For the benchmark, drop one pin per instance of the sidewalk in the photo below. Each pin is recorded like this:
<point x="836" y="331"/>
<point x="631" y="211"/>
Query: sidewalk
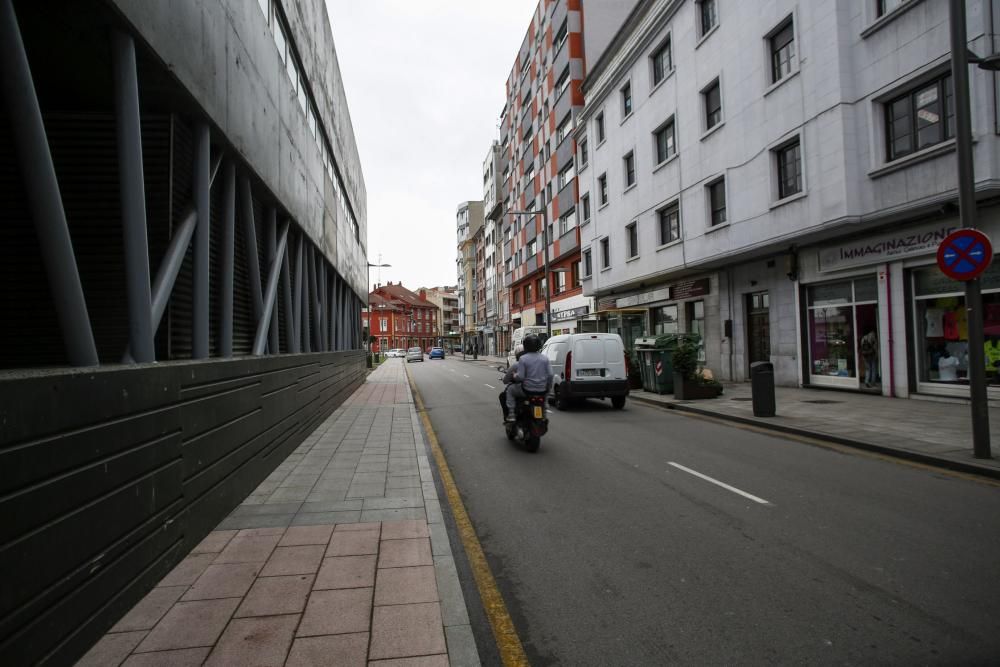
<point x="340" y="557"/>
<point x="930" y="431"/>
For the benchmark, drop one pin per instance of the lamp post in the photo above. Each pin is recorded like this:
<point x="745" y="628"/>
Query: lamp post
<point x="960" y="60"/>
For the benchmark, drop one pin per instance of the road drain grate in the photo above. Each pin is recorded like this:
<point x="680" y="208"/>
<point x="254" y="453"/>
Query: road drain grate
<point x="822" y="401"/>
<point x="741" y="398"/>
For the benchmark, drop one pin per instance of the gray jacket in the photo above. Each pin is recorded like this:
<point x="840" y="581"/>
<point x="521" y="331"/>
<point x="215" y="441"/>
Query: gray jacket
<point x="533" y="371"/>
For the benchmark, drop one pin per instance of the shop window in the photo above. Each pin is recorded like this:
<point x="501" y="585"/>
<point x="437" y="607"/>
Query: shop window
<point x="843" y="332"/>
<point x="665" y="320"/>
<point x="695" y="316"/>
<point x="942" y="326"/>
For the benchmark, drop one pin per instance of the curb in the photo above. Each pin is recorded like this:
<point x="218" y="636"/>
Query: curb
<point x="906" y="454"/>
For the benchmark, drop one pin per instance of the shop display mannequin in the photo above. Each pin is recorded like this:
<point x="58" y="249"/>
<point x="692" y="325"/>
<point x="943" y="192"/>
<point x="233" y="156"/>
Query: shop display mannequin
<point x="947" y="367"/>
<point x="869" y="352"/>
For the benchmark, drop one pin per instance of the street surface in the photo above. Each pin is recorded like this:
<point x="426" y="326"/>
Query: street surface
<point x="642" y="537"/>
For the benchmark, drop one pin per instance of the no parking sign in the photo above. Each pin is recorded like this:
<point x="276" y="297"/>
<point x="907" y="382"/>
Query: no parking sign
<point x="964" y="254"/>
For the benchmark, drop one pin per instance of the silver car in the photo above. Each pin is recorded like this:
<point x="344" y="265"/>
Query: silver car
<point x="414" y="354"/>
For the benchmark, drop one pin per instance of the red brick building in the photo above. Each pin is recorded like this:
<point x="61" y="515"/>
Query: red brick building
<point x="401" y="318"/>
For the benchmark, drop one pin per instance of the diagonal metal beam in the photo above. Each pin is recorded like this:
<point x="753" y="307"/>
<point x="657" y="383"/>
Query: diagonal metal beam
<point x="286" y="297"/>
<point x="265" y="321"/>
<point x="250" y="237"/>
<point x="307" y="309"/>
<point x="42" y="189"/>
<point x="132" y="193"/>
<point x="297" y="345"/>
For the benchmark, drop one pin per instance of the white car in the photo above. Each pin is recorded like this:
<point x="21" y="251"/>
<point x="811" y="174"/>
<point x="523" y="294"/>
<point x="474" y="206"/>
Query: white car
<point x="414" y="354"/>
<point x="395" y="353"/>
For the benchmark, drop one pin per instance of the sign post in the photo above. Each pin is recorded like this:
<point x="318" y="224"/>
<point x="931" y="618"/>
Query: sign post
<point x="961" y="255"/>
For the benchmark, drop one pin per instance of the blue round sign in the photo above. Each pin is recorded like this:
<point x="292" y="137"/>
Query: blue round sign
<point x="964" y="254"/>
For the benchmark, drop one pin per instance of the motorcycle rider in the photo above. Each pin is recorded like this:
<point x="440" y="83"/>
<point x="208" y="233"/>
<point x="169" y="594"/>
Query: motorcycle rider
<point x="530" y="373"/>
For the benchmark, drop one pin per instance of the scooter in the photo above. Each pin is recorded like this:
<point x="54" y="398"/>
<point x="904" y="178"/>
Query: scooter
<point x="530" y="422"/>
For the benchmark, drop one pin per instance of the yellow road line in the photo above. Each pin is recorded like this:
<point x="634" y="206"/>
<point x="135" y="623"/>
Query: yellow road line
<point x="836" y="446"/>
<point x="508" y="643"/>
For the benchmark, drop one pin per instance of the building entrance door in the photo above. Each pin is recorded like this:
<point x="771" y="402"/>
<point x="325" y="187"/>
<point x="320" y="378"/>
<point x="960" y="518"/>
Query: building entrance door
<point x="758" y="328"/>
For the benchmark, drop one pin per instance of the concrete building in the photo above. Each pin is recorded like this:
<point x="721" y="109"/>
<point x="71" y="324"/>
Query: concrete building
<point x="468" y="224"/>
<point x="492" y="264"/>
<point x="183" y="267"/>
<point x="446" y="300"/>
<point x="777" y="176"/>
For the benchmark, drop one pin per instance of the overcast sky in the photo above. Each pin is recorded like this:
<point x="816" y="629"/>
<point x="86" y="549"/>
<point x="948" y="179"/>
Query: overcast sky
<point x="425" y="85"/>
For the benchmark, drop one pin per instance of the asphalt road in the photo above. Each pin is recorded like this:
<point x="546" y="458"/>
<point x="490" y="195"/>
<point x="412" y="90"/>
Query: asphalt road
<point x="610" y="549"/>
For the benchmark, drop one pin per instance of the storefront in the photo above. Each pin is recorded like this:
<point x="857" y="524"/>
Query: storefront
<point x="879" y="316"/>
<point x="567" y="313"/>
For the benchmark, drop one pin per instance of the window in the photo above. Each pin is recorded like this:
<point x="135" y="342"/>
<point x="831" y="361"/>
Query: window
<point x="626" y="100"/>
<point x="383" y="324"/>
<point x="532" y="247"/>
<point x="602" y="188"/>
<point x="713" y="105"/>
<point x="567" y="174"/>
<point x="708" y="16"/>
<point x="632" y="240"/>
<point x="717" y="201"/>
<point x="529" y="172"/>
<point x="559" y="282"/>
<point x="605" y="253"/>
<point x="562" y="83"/>
<point x="920" y="118"/>
<point x="583" y="153"/>
<point x="629" y="163"/>
<point x="540" y="287"/>
<point x="883" y="7"/>
<point x="789" y="159"/>
<point x="782" y="52"/>
<point x="662" y="62"/>
<point x="587" y="264"/>
<point x="515" y="296"/>
<point x="585" y="206"/>
<point x="567" y="222"/>
<point x="669" y="221"/>
<point x="665" y="142"/>
<point x="560" y="37"/>
<point x="599" y="127"/>
<point x="575" y="274"/>
<point x="279" y="40"/>
<point x="564" y="129"/>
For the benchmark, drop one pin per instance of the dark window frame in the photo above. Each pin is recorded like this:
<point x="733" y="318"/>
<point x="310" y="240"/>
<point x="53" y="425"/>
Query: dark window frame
<point x="605" y="253"/>
<point x="628" y="163"/>
<point x="599" y="128"/>
<point x="712" y="113"/>
<point x="782" y="48"/>
<point x="632" y="240"/>
<point x="668" y="219"/>
<point x="789" y="156"/>
<point x="909" y="103"/>
<point x="588" y="263"/>
<point x="602" y="189"/>
<point x="662" y="66"/>
<point x="668" y="148"/>
<point x="718" y="215"/>
<point x="626" y="93"/>
<point x="708" y="16"/>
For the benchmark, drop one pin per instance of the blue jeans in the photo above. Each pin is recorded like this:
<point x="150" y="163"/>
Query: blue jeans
<point x="871" y="370"/>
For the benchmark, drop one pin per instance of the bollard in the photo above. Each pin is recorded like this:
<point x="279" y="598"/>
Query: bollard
<point x="762" y="388"/>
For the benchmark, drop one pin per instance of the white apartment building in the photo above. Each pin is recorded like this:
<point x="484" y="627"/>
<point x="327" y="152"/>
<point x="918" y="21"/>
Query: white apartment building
<point x="777" y="176"/>
<point x="468" y="222"/>
<point x="491" y="186"/>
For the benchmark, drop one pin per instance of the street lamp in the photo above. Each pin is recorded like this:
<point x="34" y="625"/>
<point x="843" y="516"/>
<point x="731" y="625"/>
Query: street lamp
<point x="960" y="59"/>
<point x="368" y="304"/>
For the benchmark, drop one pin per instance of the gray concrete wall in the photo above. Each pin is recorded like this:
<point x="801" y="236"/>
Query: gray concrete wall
<point x="223" y="52"/>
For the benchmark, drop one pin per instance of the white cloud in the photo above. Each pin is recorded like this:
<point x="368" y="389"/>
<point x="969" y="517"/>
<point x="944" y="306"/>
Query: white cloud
<point x="425" y="85"/>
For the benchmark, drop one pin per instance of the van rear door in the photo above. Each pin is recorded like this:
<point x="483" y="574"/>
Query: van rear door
<point x="588" y="359"/>
<point x="614" y="355"/>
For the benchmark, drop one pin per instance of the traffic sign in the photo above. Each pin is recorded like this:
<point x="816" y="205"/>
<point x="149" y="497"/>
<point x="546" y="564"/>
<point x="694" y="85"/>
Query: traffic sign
<point x="964" y="254"/>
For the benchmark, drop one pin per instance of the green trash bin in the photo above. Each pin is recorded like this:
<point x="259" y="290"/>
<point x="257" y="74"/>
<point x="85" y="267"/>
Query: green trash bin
<point x="662" y="371"/>
<point x="646" y="369"/>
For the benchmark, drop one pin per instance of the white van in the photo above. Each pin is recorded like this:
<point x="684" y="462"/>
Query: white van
<point x="587" y="365"/>
<point x="517" y="337"/>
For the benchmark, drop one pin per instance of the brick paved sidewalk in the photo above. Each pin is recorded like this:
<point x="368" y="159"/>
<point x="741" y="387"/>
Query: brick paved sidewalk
<point x="340" y="557"/>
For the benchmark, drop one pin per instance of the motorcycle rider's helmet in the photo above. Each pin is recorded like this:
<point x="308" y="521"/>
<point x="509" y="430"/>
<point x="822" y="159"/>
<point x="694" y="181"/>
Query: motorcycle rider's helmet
<point x="532" y="343"/>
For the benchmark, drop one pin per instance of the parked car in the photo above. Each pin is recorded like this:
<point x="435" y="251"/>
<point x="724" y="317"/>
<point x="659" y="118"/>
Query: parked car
<point x="590" y="365"/>
<point x="518" y="336"/>
<point x="436" y="353"/>
<point x="414" y="354"/>
<point x="394" y="353"/>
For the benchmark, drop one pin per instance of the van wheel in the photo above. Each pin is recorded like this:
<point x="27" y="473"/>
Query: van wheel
<point x="618" y="402"/>
<point x="562" y="403"/>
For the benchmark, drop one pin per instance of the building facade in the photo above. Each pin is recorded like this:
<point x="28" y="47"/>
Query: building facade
<point x="184" y="265"/>
<point x="492" y="328"/>
<point x="468" y="225"/>
<point x="398" y="318"/>
<point x="777" y="178"/>
<point x="446" y="300"/>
